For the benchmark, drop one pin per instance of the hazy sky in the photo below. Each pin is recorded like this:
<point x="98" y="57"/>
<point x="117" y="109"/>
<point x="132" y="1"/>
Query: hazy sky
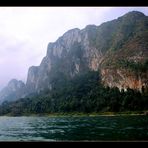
<point x="26" y="31"/>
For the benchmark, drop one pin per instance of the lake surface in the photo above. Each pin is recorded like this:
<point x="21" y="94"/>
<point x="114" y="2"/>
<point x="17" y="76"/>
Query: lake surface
<point x="99" y="128"/>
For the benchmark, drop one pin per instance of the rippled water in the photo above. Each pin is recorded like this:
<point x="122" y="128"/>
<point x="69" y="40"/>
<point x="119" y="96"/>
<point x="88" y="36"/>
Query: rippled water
<point x="74" y="128"/>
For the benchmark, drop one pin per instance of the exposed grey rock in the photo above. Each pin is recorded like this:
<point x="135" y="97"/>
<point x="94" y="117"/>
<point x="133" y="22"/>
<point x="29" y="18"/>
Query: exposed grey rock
<point x="97" y="48"/>
<point x="88" y="49"/>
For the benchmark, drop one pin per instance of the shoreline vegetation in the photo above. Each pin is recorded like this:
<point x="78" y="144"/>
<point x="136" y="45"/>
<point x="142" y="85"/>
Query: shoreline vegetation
<point x="79" y="114"/>
<point x="84" y="95"/>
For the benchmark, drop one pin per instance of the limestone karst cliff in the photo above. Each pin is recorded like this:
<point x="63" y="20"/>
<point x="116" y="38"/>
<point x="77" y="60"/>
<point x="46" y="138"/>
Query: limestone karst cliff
<point x="118" y="49"/>
<point x="97" y="48"/>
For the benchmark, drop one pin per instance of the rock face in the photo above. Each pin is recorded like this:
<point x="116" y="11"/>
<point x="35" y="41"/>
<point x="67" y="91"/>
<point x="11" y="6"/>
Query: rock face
<point x="97" y="48"/>
<point x="118" y="49"/>
<point x="70" y="54"/>
<point x="124" y="79"/>
<point x="14" y="90"/>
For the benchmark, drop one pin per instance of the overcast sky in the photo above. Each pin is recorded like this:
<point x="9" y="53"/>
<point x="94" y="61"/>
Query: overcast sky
<point x="26" y="31"/>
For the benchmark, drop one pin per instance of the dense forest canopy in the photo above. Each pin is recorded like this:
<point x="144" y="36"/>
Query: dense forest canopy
<point x="84" y="93"/>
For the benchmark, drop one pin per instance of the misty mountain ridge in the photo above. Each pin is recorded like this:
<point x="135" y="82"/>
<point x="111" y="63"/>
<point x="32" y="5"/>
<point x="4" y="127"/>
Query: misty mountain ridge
<point x="14" y="90"/>
<point x="116" y="49"/>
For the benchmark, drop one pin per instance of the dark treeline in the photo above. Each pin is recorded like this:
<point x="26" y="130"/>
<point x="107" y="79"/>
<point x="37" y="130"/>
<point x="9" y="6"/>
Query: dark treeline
<point x="84" y="93"/>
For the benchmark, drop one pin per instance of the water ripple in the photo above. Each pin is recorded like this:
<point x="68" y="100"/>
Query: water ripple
<point x="73" y="128"/>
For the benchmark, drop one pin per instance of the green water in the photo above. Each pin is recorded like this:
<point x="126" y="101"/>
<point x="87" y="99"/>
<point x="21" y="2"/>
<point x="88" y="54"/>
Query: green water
<point x="98" y="128"/>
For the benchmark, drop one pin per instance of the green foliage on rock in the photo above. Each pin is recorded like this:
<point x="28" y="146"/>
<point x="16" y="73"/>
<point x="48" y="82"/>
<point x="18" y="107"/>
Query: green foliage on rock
<point x="134" y="66"/>
<point x="83" y="93"/>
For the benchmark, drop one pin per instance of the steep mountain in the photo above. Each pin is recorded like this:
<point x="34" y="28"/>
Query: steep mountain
<point x="70" y="55"/>
<point x="14" y="90"/>
<point x="126" y="63"/>
<point x="118" y="49"/>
